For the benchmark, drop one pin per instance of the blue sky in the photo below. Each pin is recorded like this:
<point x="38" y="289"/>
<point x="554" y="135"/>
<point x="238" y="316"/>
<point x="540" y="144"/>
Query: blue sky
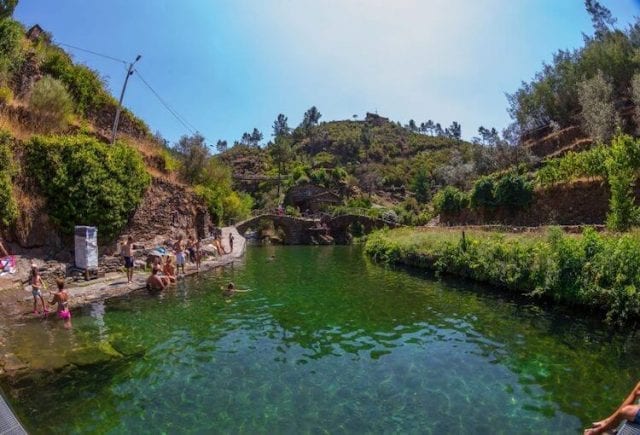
<point x="228" y="66"/>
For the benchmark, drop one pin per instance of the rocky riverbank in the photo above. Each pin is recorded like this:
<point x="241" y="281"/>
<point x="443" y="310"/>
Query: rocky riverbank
<point x="16" y="303"/>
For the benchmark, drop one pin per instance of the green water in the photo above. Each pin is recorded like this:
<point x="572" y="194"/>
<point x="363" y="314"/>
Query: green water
<point x="324" y="342"/>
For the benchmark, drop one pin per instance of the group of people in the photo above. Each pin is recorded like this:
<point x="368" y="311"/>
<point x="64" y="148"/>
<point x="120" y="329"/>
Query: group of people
<point x="60" y="298"/>
<point x="163" y="275"/>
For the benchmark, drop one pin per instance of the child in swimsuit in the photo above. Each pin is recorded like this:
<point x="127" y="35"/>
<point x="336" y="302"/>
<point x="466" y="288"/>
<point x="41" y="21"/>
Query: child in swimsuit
<point x="36" y="286"/>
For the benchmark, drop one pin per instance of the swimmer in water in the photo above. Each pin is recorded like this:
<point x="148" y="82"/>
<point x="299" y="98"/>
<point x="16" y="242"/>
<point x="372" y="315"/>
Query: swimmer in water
<point x="231" y="290"/>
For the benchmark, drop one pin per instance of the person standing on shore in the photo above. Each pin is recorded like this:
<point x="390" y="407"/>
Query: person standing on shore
<point x="230" y="243"/>
<point x="127" y="253"/>
<point x="36" y="290"/>
<point x="178" y="247"/>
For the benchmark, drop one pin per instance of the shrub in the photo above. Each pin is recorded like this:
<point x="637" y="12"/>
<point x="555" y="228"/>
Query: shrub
<point x="11" y="37"/>
<point x="450" y="200"/>
<point x="482" y="194"/>
<point x="513" y="191"/>
<point x="621" y="167"/>
<point x="84" y="84"/>
<point x="8" y="207"/>
<point x="6" y="95"/>
<point x="50" y="104"/>
<point x="86" y="181"/>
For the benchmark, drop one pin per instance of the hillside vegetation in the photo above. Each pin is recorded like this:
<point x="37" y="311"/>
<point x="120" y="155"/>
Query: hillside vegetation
<point x="55" y="123"/>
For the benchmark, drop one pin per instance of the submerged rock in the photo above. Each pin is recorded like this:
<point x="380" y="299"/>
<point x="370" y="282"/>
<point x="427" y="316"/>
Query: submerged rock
<point x="100" y="353"/>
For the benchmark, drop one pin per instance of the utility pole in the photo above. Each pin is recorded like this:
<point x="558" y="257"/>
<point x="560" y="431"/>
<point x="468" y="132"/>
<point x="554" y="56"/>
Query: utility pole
<point x="124" y="87"/>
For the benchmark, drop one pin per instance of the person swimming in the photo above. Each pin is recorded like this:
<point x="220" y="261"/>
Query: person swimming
<point x="231" y="289"/>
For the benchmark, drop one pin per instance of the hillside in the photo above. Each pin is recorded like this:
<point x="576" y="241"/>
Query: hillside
<point x="57" y="167"/>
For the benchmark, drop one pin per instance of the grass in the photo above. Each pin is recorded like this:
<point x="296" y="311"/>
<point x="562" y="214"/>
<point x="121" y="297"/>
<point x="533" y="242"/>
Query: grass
<point x="597" y="271"/>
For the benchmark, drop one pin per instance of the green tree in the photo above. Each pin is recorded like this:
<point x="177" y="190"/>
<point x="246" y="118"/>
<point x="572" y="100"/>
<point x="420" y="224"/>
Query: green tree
<point x="450" y="200"/>
<point x="7" y="7"/>
<point x="421" y="184"/>
<point x="454" y="131"/>
<point x="598" y="110"/>
<point x="194" y="155"/>
<point x="513" y="191"/>
<point x="482" y="194"/>
<point x="311" y="117"/>
<point x="280" y="151"/>
<point x="281" y="126"/>
<point x="221" y="145"/>
<point x="601" y="17"/>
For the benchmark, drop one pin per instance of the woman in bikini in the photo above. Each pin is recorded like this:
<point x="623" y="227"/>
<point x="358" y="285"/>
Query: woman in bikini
<point x="62" y="299"/>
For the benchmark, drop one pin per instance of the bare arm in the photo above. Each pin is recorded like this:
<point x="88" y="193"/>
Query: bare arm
<point x="3" y="251"/>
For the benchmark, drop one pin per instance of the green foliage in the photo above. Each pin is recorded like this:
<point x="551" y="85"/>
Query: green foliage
<point x="7" y="7"/>
<point x="87" y="182"/>
<point x="483" y="194"/>
<point x="574" y="165"/>
<point x="621" y="164"/>
<point x="194" y="156"/>
<point x="50" y="104"/>
<point x="8" y="207"/>
<point x="225" y="205"/>
<point x="11" y="37"/>
<point x="421" y="184"/>
<point x="553" y="94"/>
<point x="450" y="200"/>
<point x="84" y="84"/>
<point x="6" y="95"/>
<point x="592" y="270"/>
<point x="598" y="110"/>
<point x="513" y="191"/>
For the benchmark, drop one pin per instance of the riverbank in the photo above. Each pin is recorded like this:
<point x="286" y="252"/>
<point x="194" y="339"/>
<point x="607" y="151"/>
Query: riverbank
<point x="600" y="272"/>
<point x="17" y="303"/>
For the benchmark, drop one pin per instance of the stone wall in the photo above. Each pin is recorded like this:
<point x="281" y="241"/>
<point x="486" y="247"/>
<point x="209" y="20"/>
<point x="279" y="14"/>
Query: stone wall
<point x="580" y="203"/>
<point x="168" y="209"/>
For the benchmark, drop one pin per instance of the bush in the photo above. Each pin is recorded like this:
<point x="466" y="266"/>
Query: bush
<point x="50" y="104"/>
<point x="592" y="270"/>
<point x="6" y="95"/>
<point x="482" y="194"/>
<point x="84" y="84"/>
<point x="450" y="200"/>
<point x="86" y="181"/>
<point x="11" y="37"/>
<point x="513" y="191"/>
<point x="8" y="207"/>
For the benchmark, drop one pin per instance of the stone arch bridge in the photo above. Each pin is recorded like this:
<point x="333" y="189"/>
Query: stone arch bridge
<point x="301" y="231"/>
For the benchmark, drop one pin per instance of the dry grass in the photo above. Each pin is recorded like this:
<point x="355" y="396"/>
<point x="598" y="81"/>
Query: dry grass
<point x="17" y="129"/>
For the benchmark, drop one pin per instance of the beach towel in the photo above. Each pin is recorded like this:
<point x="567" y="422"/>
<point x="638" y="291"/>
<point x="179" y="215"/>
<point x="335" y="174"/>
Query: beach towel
<point x="7" y="265"/>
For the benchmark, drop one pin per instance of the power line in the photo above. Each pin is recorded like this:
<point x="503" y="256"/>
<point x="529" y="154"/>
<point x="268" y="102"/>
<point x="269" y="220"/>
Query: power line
<point x="181" y="119"/>
<point x="175" y="114"/>
<point x="106" y="56"/>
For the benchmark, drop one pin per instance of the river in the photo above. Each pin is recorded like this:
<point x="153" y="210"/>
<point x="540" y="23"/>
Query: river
<point x="323" y="341"/>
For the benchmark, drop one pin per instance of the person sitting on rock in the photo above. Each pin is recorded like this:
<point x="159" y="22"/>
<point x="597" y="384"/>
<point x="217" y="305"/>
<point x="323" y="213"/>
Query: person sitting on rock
<point x="156" y="282"/>
<point x="628" y="410"/>
<point x="169" y="270"/>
